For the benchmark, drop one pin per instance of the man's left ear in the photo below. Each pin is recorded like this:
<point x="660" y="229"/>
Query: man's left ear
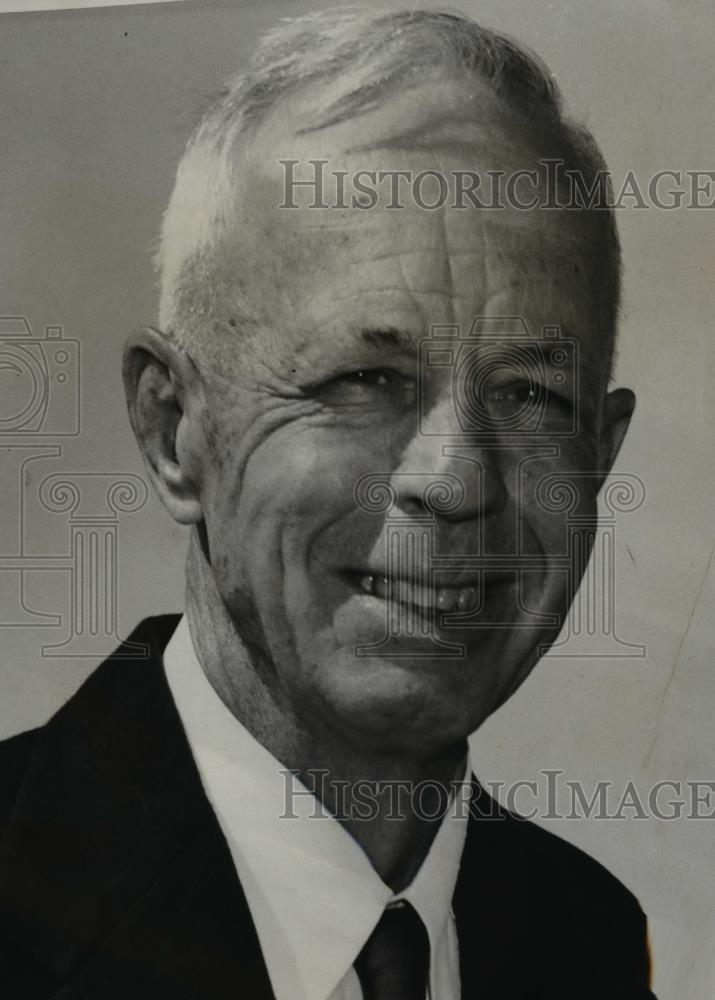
<point x="618" y="409"/>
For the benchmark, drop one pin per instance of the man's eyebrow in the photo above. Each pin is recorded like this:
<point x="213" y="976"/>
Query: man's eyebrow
<point x="388" y="338"/>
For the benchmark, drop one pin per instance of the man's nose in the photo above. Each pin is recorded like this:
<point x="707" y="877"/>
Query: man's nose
<point x="448" y="473"/>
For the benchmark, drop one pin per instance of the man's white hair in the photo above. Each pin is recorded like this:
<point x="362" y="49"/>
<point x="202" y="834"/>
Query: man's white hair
<point x="358" y="57"/>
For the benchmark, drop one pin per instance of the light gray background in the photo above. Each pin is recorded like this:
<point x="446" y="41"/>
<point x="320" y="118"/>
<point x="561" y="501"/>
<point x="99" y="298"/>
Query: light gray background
<point x="96" y="106"/>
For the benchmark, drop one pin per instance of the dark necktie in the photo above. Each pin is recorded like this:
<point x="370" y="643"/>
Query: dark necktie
<point x="394" y="963"/>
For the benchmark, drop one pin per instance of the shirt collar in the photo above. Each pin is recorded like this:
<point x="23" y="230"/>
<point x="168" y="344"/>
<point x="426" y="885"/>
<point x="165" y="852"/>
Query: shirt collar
<point x="305" y="878"/>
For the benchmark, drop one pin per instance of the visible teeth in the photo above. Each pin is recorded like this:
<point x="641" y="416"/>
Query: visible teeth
<point x="456" y="598"/>
<point x="442" y="599"/>
<point x="467" y="599"/>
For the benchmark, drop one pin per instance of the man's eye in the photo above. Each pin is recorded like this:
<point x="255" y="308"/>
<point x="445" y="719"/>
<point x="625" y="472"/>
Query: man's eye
<point x="516" y="393"/>
<point x="376" y="386"/>
<point x="518" y="397"/>
<point x="368" y="377"/>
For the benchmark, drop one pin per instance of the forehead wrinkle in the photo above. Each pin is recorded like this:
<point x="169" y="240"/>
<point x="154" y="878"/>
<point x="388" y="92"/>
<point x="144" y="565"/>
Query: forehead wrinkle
<point x="477" y="288"/>
<point x="447" y="253"/>
<point x="426" y="250"/>
<point x="327" y="220"/>
<point x="402" y="290"/>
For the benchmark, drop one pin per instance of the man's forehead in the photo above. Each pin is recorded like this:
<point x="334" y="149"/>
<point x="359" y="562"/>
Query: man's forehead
<point x="445" y="129"/>
<point x="375" y="149"/>
<point x="330" y="259"/>
<point x="406" y="268"/>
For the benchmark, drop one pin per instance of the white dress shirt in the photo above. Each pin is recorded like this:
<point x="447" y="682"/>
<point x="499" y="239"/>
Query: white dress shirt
<point x="313" y="894"/>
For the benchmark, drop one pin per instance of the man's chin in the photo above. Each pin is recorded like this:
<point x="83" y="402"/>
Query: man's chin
<point x="411" y="677"/>
<point x="407" y="697"/>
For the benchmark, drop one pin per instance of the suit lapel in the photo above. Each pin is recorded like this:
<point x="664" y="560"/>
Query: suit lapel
<point x="491" y="905"/>
<point x="115" y="879"/>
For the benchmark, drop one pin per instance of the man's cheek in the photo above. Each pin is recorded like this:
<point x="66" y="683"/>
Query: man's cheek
<point x="555" y="502"/>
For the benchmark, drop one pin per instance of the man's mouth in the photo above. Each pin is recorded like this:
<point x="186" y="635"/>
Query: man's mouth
<point x="423" y="596"/>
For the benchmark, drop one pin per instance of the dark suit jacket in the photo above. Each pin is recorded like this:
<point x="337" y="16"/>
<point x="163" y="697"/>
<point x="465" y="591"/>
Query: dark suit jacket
<point x="116" y="881"/>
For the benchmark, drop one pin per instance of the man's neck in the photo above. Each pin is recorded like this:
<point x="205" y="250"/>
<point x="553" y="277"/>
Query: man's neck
<point x="392" y="808"/>
<point x="390" y="804"/>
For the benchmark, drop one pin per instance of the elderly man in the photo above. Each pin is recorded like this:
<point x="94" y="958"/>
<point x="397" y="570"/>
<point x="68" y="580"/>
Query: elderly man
<point x="368" y="374"/>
